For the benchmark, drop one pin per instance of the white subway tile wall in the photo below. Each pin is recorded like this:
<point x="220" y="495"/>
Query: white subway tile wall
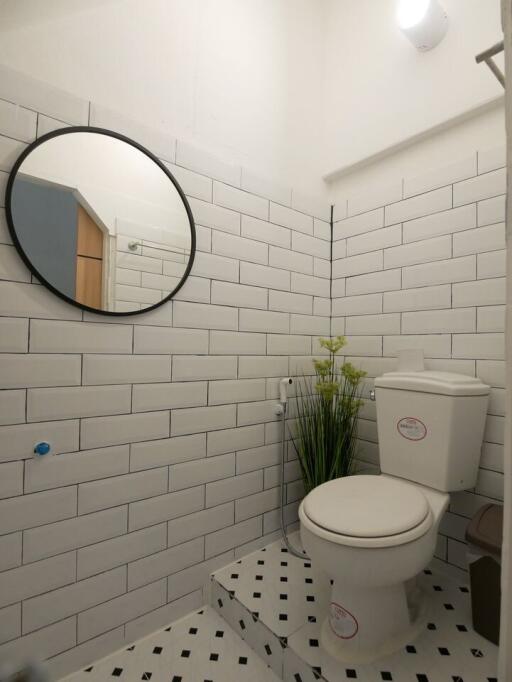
<point x="162" y="426"/>
<point x="426" y="269"/>
<point x="146" y="271"/>
<point x="164" y="464"/>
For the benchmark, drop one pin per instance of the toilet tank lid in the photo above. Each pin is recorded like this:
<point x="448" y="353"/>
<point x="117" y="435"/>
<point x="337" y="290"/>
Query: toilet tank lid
<point x="441" y="383"/>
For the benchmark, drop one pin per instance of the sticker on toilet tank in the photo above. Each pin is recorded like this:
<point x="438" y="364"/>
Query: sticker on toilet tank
<point x="412" y="428"/>
<point x="342" y="622"/>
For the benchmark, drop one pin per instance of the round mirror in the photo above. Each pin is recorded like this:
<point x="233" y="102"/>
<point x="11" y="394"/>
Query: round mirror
<point x="100" y="221"/>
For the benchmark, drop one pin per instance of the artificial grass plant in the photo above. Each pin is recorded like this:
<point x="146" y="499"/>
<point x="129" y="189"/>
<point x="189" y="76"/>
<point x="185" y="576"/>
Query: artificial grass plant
<point x="326" y="429"/>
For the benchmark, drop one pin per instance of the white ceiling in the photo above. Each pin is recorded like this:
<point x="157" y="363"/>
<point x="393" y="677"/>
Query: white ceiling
<point x="18" y="14"/>
<point x="297" y="88"/>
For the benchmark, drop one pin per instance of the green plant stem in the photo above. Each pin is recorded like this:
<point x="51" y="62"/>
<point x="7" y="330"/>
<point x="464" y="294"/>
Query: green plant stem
<point x="326" y="436"/>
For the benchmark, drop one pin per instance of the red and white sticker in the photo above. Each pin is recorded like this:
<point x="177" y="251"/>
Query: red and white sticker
<point x="411" y="428"/>
<point x="343" y="623"/>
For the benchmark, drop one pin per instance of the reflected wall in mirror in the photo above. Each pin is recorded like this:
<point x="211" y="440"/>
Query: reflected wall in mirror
<point x="100" y="221"/>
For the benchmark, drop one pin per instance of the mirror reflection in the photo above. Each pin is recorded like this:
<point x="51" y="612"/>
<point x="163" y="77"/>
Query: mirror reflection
<point x="101" y="222"/>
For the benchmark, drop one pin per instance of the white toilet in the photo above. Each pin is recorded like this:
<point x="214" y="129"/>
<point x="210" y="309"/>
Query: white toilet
<point x="372" y="535"/>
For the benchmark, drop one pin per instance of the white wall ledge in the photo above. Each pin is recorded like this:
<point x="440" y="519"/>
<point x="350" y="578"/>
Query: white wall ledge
<point x="488" y="105"/>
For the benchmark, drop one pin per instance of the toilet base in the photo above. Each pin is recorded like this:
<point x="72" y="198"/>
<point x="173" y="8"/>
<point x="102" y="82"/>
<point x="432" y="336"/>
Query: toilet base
<point x="365" y="626"/>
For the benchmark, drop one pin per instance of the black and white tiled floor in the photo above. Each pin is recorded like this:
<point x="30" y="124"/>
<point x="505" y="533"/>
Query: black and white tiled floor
<point x="265" y="626"/>
<point x="197" y="648"/>
<point x="284" y="591"/>
<point x="277" y="603"/>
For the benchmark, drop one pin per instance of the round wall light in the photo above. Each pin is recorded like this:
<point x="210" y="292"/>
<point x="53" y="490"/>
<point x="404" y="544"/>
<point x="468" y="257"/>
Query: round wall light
<point x="424" y="22"/>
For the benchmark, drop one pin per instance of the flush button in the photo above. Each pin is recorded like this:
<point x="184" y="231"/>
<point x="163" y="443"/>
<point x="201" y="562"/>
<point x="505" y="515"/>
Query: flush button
<point x="42" y="449"/>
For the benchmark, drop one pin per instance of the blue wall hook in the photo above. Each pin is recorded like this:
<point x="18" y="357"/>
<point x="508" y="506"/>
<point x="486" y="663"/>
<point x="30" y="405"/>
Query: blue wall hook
<point x="42" y="448"/>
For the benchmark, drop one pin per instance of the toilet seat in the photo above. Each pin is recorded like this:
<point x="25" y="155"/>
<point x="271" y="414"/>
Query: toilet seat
<point x="367" y="511"/>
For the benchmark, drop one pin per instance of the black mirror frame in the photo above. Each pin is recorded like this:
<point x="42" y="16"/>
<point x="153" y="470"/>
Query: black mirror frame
<point x="26" y="260"/>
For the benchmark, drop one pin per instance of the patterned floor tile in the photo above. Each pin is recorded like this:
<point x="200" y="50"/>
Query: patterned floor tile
<point x="447" y="651"/>
<point x="198" y="648"/>
<point x="249" y="627"/>
<point x="285" y="591"/>
<point x="245" y="633"/>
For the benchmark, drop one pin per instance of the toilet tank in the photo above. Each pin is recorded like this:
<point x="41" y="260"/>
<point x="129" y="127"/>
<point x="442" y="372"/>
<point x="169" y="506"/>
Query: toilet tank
<point x="431" y="427"/>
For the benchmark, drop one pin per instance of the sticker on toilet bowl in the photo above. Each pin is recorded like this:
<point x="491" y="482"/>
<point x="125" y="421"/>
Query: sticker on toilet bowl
<point x="342" y="622"/>
<point x="411" y="428"/>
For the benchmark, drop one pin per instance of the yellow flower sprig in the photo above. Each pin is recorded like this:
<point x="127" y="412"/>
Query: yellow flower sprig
<point x="329" y="377"/>
<point x="333" y="345"/>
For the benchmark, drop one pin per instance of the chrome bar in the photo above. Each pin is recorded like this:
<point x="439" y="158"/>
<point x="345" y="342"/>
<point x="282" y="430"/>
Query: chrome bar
<point x="491" y="52"/>
<point x="487" y="57"/>
<point x="496" y="71"/>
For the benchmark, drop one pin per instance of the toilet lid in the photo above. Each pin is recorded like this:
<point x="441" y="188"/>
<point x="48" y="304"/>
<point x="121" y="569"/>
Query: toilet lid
<point x="366" y="506"/>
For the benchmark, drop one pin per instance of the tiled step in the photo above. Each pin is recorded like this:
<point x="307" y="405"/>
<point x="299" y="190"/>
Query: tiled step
<point x="266" y="597"/>
<point x="276" y="603"/>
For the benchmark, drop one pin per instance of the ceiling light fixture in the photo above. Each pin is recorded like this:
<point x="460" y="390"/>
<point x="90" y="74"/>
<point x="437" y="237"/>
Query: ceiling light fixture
<point x="424" y="22"/>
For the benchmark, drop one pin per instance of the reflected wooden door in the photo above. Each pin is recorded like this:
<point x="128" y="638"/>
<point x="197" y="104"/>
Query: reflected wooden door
<point x="89" y="261"/>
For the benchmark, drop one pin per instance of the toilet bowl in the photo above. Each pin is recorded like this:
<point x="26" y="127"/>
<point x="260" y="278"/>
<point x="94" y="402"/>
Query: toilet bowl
<point x="371" y="535"/>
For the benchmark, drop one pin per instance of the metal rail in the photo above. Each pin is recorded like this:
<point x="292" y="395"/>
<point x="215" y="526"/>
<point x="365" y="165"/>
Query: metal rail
<point x="487" y="57"/>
